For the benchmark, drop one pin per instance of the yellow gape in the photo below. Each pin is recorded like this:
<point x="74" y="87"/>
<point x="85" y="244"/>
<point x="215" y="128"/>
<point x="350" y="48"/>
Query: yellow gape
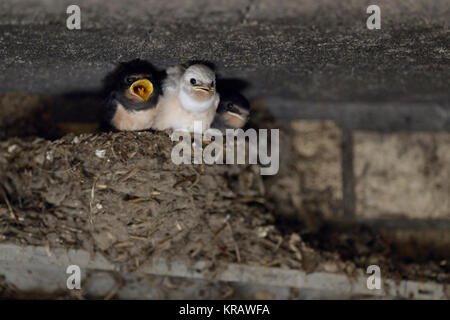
<point x="142" y="88"/>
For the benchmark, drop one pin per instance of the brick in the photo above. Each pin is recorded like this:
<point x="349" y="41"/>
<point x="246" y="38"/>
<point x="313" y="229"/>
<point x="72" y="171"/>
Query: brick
<point x="318" y="154"/>
<point x="402" y="174"/>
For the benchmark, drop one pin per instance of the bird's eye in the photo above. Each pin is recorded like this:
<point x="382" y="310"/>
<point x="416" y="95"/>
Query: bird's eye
<point x="212" y="84"/>
<point x="231" y="107"/>
<point x="130" y="80"/>
<point x="193" y="81"/>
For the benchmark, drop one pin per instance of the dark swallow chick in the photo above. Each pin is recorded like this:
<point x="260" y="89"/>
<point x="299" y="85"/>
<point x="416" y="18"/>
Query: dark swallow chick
<point x="232" y="112"/>
<point x="132" y="92"/>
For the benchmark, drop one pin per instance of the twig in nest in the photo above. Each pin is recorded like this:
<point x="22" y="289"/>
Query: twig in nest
<point x="91" y="248"/>
<point x="137" y="200"/>
<point x="236" y="247"/>
<point x="218" y="234"/>
<point x="129" y="175"/>
<point x="5" y="198"/>
<point x="91" y="202"/>
<point x="268" y="243"/>
<point x="138" y="238"/>
<point x="137" y="263"/>
<point x="196" y="252"/>
<point x="119" y="284"/>
<point x="226" y="252"/>
<point x="123" y="244"/>
<point x="57" y="171"/>
<point x="189" y="178"/>
<point x="252" y="199"/>
<point x="197" y="179"/>
<point x="161" y="245"/>
<point x="292" y="245"/>
<point x="273" y="246"/>
<point x="155" y="228"/>
<point x="273" y="263"/>
<point x="280" y="241"/>
<point x="112" y="147"/>
<point x="120" y="258"/>
<point x="229" y="292"/>
<point x="166" y="241"/>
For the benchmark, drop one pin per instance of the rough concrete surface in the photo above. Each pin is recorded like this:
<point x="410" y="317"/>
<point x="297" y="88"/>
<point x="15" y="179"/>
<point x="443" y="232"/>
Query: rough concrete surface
<point x="402" y="174"/>
<point x="310" y="50"/>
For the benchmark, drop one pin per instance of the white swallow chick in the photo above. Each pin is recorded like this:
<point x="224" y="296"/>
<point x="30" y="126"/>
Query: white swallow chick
<point x="189" y="94"/>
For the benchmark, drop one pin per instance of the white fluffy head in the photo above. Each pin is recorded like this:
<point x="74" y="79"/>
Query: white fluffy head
<point x="200" y="73"/>
<point x="198" y="88"/>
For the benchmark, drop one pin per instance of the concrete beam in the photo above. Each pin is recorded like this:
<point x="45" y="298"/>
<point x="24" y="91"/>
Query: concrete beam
<point x="313" y="51"/>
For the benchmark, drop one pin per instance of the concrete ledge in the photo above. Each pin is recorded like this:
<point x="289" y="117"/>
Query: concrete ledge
<point x="328" y="284"/>
<point x="383" y="117"/>
<point x="310" y="51"/>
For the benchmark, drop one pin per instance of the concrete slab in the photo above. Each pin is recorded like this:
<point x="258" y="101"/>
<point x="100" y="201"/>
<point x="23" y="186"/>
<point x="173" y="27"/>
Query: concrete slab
<point x="316" y="51"/>
<point x="318" y="284"/>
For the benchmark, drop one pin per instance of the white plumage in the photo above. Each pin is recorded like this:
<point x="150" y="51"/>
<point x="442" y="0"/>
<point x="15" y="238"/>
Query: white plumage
<point x="188" y="95"/>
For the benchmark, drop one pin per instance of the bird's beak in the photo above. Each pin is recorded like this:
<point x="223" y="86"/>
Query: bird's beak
<point x="237" y="115"/>
<point x="204" y="88"/>
<point x="142" y="88"/>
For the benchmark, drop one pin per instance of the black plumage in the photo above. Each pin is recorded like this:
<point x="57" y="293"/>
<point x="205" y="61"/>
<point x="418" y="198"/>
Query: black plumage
<point x="120" y="87"/>
<point x="232" y="112"/>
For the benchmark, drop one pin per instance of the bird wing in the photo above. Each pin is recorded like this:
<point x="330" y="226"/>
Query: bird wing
<point x="173" y="79"/>
<point x="107" y="111"/>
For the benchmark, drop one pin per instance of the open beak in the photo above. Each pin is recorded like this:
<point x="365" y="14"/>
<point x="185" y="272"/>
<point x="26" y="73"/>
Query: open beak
<point x="142" y="88"/>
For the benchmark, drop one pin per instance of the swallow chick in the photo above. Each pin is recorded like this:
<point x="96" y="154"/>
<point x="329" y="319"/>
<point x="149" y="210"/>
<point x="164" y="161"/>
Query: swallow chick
<point x="133" y="90"/>
<point x="189" y="94"/>
<point x="232" y="113"/>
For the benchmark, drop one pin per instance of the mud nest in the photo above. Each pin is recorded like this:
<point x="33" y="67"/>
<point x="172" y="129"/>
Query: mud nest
<point x="121" y="195"/>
